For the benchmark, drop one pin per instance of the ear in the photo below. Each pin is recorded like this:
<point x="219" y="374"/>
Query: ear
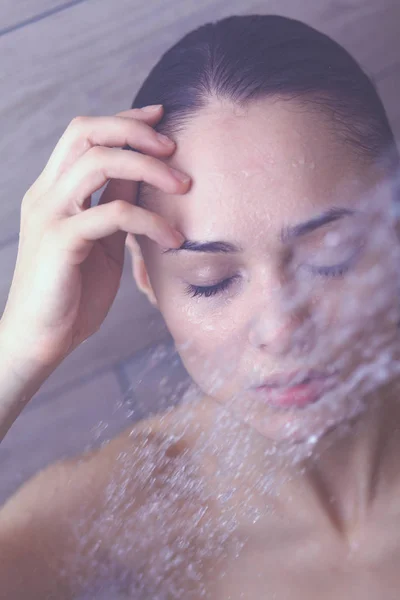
<point x="139" y="270"/>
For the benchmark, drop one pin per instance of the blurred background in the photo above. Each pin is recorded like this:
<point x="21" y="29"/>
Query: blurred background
<point x="89" y="57"/>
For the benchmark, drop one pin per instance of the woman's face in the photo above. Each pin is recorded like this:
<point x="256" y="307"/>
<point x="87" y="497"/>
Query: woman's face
<point x="290" y="265"/>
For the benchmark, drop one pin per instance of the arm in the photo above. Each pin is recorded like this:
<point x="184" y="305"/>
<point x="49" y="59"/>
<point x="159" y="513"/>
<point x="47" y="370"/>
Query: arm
<point x="71" y="255"/>
<point x="19" y="381"/>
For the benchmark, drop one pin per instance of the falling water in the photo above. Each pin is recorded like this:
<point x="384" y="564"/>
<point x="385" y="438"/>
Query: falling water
<point x="162" y="519"/>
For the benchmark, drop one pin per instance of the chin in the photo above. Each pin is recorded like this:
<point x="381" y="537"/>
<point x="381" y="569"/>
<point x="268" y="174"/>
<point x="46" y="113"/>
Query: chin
<point x="300" y="432"/>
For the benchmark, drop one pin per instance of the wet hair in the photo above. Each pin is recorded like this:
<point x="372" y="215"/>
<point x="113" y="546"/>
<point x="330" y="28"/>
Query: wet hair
<point x="249" y="57"/>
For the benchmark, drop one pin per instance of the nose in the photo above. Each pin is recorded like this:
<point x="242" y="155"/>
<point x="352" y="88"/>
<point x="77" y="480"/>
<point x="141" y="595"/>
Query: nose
<point x="279" y="332"/>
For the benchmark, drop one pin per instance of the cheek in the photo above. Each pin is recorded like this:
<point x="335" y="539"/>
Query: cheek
<point x="197" y="324"/>
<point x="196" y="331"/>
<point x="362" y="312"/>
<point x="204" y="342"/>
<point x="375" y="291"/>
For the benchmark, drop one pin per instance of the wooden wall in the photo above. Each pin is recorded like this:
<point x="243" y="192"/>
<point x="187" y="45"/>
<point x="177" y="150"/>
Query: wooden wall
<point x="88" y="57"/>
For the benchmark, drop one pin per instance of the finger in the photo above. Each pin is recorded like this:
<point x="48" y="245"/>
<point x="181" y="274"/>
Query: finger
<point x="119" y="188"/>
<point x="85" y="132"/>
<point x="94" y="168"/>
<point x="141" y="112"/>
<point x="77" y="233"/>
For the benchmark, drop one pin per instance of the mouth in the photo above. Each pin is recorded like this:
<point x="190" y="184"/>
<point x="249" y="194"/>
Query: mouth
<point x="297" y="389"/>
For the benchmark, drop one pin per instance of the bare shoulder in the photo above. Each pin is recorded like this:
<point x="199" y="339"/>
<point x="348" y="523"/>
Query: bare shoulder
<point x="112" y="513"/>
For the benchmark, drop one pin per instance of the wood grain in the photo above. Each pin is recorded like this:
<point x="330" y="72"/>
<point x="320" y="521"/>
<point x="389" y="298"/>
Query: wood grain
<point x="15" y="15"/>
<point x="90" y="58"/>
<point x="75" y="420"/>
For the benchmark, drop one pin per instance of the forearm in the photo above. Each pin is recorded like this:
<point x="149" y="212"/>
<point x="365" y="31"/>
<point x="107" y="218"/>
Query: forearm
<point x="19" y="382"/>
<point x="14" y="395"/>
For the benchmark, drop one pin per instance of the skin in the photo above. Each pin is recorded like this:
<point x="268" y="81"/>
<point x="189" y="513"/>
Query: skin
<point x="311" y="520"/>
<point x="282" y="312"/>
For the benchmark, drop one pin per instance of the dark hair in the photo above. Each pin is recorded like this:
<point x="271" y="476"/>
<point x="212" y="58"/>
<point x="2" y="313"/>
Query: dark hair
<point x="241" y="58"/>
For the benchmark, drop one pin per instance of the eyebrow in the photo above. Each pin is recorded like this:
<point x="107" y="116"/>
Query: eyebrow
<point x="287" y="234"/>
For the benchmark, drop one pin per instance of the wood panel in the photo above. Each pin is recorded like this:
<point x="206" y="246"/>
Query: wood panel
<point x="153" y="380"/>
<point x="78" y="419"/>
<point x="86" y="61"/>
<point x="25" y="13"/>
<point x="91" y="59"/>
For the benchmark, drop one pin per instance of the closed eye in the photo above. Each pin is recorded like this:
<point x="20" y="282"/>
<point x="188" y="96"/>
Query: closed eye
<point x="333" y="271"/>
<point x="322" y="271"/>
<point x="209" y="290"/>
<point x="336" y="270"/>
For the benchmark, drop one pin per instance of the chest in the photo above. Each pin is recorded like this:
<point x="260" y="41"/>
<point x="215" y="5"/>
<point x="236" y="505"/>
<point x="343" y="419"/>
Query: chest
<point x="251" y="571"/>
<point x="308" y="569"/>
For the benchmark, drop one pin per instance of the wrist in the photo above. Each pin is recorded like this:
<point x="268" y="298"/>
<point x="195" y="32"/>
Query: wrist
<point x="20" y="363"/>
<point x="20" y="378"/>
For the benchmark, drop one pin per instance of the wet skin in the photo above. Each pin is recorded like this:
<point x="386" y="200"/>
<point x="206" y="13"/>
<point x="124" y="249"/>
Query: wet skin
<point x="219" y="510"/>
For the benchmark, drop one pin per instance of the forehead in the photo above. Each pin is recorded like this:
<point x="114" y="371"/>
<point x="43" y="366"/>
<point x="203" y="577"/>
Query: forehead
<point x="272" y="162"/>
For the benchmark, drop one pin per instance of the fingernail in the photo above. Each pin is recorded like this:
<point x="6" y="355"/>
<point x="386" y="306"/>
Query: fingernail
<point x="164" y="139"/>
<point x="179" y="238"/>
<point x="180" y="176"/>
<point x="151" y="107"/>
<point x="174" y="240"/>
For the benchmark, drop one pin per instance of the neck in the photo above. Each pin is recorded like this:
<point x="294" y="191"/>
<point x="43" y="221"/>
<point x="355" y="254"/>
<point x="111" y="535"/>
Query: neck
<point x="352" y="473"/>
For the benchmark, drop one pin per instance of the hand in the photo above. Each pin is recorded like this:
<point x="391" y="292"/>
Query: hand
<point x="71" y="255"/>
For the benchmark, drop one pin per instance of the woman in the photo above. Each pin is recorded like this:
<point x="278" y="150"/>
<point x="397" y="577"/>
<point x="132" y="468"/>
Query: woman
<point x="275" y="269"/>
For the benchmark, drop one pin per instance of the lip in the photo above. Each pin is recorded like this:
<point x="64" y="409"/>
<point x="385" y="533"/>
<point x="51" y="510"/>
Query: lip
<point x="304" y="392"/>
<point x="292" y="379"/>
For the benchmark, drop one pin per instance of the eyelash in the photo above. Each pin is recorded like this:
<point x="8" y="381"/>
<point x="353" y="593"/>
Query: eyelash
<point x="209" y="290"/>
<point x="212" y="290"/>
<point x="335" y="271"/>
